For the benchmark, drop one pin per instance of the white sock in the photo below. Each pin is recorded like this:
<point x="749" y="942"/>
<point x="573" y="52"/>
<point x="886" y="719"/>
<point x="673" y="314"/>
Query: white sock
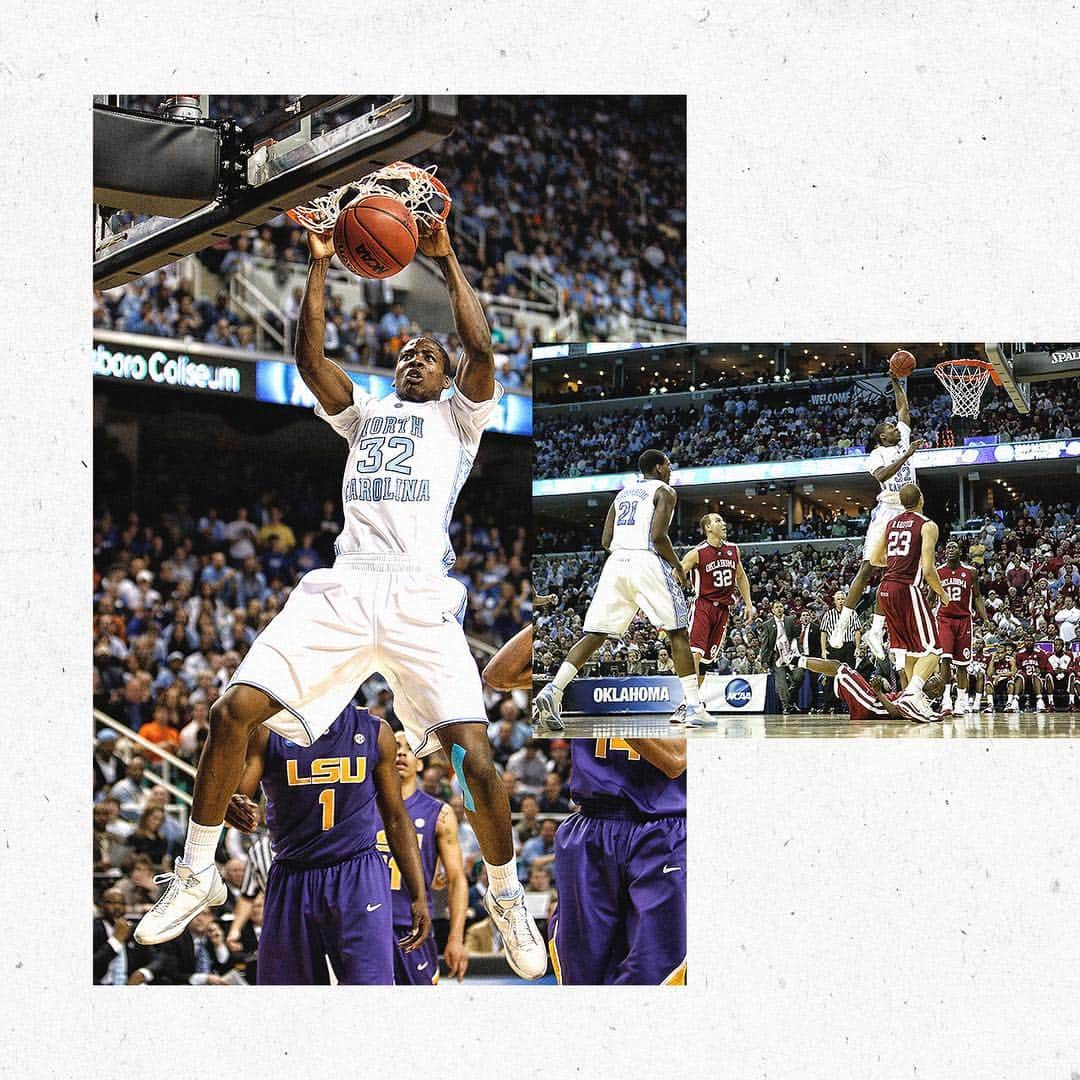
<point x="563" y="676"/>
<point x="503" y="879"/>
<point x="691" y="695"/>
<point x="915" y="684"/>
<point x="202" y="842"/>
<point x="877" y="623"/>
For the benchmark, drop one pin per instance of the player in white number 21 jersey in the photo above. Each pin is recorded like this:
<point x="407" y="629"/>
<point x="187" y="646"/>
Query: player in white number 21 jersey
<point x="386" y="605"/>
<point x="891" y="449"/>
<point x="642" y="572"/>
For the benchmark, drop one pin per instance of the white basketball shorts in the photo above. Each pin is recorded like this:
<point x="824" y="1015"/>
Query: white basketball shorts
<point x="368" y="614"/>
<point x="879" y="519"/>
<point x="633" y="580"/>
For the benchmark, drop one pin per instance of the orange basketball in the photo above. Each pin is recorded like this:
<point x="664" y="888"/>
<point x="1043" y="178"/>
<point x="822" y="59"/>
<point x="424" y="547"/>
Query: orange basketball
<point x="376" y="237"/>
<point x="902" y="363"/>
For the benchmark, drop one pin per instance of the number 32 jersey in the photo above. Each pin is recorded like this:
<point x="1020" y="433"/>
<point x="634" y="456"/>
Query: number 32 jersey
<point x="407" y="464"/>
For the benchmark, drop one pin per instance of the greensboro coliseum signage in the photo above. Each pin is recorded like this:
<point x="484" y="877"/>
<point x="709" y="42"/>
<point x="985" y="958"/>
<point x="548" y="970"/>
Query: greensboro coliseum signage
<point x="173" y="369"/>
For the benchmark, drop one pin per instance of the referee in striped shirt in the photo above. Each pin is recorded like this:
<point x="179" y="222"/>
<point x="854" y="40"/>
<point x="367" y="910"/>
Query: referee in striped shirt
<point x="846" y="653"/>
<point x="258" y="867"/>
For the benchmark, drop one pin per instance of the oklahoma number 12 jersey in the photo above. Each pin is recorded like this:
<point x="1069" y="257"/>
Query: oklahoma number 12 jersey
<point x="407" y="463"/>
<point x="958" y="584"/>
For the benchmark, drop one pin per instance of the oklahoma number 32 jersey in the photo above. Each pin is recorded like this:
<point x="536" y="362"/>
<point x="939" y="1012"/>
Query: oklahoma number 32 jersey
<point x="407" y="463"/>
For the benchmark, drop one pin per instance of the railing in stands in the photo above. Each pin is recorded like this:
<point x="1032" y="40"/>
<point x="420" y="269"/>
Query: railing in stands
<point x="246" y="297"/>
<point x="170" y="760"/>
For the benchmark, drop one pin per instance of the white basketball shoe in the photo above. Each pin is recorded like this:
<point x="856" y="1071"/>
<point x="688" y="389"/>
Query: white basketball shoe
<point x="525" y="949"/>
<point x="546" y="709"/>
<point x="186" y="894"/>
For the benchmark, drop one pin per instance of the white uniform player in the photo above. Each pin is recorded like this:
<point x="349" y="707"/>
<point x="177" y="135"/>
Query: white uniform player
<point x="635" y="576"/>
<point x="888" y="500"/>
<point x="386" y="605"/>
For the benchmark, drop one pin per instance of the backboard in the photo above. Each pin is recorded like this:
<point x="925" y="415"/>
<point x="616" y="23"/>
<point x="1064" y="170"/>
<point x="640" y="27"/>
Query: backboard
<point x="259" y="156"/>
<point x="1019" y="364"/>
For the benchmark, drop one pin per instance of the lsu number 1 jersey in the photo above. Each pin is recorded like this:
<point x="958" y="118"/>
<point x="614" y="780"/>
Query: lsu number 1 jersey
<point x="959" y="586"/>
<point x="407" y="464"/>
<point x="634" y="508"/>
<point x="903" y="549"/>
<point x="610" y="775"/>
<point x="882" y="456"/>
<point x="424" y="811"/>
<point x="320" y="799"/>
<point x="714" y="576"/>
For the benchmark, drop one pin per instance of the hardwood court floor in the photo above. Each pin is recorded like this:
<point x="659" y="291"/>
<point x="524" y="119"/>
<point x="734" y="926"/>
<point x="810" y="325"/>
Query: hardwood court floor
<point x="1000" y="725"/>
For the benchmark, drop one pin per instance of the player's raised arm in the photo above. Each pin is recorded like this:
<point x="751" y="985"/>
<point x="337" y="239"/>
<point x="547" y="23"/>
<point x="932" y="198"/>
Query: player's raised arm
<point x="332" y="388"/>
<point x="690" y="559"/>
<point x="926" y="558"/>
<point x="664" y="500"/>
<point x="457" y="892"/>
<point x="668" y="755"/>
<point x="476" y="373"/>
<point x="401" y="837"/>
<point x="609" y="528"/>
<point x="903" y="412"/>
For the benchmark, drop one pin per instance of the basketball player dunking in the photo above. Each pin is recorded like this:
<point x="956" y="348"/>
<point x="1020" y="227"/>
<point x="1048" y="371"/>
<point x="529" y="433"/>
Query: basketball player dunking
<point x="620" y="864"/>
<point x="954" y="625"/>
<point x="891" y="449"/>
<point x="436" y="828"/>
<point x="327" y="892"/>
<point x="906" y="549"/>
<point x="717" y="572"/>
<point x="386" y="605"/>
<point x="642" y="572"/>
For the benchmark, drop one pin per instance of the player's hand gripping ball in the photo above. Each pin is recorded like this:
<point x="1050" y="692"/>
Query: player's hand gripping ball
<point x="901" y="363"/>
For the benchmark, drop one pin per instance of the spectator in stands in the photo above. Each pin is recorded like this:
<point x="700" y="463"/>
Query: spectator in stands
<point x="552" y="800"/>
<point x="130" y="793"/>
<point x="108" y="767"/>
<point x="539" y="851"/>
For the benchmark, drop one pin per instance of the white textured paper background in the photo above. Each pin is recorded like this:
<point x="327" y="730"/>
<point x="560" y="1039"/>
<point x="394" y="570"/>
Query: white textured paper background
<point x="856" y="171"/>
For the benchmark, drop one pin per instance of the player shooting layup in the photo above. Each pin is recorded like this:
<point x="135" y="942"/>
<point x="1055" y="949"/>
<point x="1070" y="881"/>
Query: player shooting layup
<point x="642" y="572"/>
<point x="891" y="449"/>
<point x="386" y="605"/>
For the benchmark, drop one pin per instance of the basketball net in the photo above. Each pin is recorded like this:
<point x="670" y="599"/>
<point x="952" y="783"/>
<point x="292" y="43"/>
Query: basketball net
<point x="965" y="380"/>
<point x="417" y="189"/>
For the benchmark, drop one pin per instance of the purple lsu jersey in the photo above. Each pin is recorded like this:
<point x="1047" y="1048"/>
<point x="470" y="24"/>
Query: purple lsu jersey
<point x="321" y="805"/>
<point x="424" y="810"/>
<point x="603" y="770"/>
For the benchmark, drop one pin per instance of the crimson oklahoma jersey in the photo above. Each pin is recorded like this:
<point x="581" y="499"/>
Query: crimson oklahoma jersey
<point x="959" y="588"/>
<point x="714" y="575"/>
<point x="903" y="549"/>
<point x="714" y="593"/>
<point x="1031" y="662"/>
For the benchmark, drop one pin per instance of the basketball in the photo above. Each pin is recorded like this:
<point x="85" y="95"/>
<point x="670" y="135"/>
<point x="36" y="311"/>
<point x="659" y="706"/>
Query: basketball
<point x="901" y="363"/>
<point x="376" y="237"/>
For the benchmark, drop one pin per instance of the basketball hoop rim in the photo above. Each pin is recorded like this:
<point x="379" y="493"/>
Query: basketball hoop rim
<point x="946" y="366"/>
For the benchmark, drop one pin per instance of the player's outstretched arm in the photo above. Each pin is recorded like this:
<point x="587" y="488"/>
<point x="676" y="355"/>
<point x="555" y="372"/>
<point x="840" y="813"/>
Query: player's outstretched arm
<point x="668" y="755"/>
<point x="742" y="583"/>
<point x="242" y="812"/>
<point x="929" y="569"/>
<point x="887" y="472"/>
<point x="457" y="892"/>
<point x="690" y="560"/>
<point x="476" y="372"/>
<point x="822" y="667"/>
<point x="401" y="837"/>
<point x="330" y="385"/>
<point x="903" y="412"/>
<point x="511" y="667"/>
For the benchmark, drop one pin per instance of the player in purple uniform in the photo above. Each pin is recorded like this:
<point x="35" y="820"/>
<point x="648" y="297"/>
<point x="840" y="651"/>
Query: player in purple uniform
<point x="621" y="866"/>
<point x="437" y="839"/>
<point x="328" y="893"/>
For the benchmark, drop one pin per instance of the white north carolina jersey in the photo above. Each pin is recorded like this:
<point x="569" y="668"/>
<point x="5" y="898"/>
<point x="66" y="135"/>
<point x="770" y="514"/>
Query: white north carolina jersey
<point x="887" y="455"/>
<point x="633" y="516"/>
<point x="407" y="464"/>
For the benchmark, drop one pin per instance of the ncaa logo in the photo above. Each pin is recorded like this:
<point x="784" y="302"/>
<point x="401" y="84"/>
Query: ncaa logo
<point x="737" y="693"/>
